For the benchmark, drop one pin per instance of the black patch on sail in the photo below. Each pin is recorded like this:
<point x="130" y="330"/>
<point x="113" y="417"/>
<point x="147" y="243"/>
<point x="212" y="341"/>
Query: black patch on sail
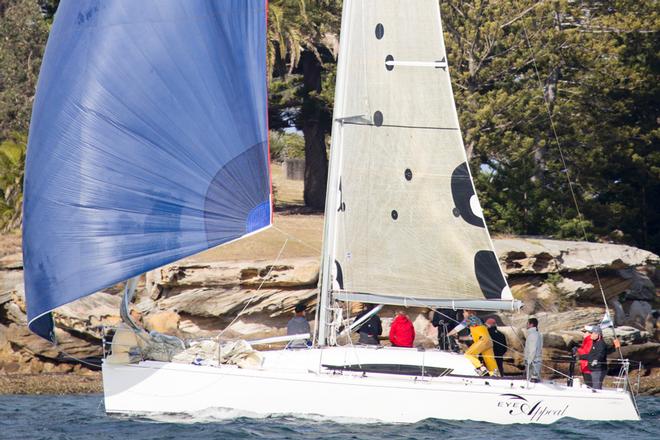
<point x="408" y="174"/>
<point x="378" y="119"/>
<point x="395" y="215"/>
<point x="340" y="275"/>
<point x="389" y="58"/>
<point x="380" y="31"/>
<point x="342" y="205"/>
<point x="488" y="274"/>
<point x="462" y="192"/>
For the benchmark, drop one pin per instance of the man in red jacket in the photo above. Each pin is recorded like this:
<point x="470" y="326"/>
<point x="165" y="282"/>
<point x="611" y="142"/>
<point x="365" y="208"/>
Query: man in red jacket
<point x="402" y="332"/>
<point x="585" y="349"/>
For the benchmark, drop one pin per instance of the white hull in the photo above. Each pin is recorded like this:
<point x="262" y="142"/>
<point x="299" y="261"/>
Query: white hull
<point x="286" y="385"/>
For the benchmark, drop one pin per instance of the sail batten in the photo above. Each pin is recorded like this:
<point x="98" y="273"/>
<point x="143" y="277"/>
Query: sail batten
<point x="407" y="221"/>
<point x="148" y="142"/>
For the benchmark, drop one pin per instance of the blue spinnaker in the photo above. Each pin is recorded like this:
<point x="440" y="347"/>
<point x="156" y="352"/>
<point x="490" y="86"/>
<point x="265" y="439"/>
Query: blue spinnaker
<point x="148" y="142"/>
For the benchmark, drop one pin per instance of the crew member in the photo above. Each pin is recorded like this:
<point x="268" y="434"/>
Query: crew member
<point x="597" y="356"/>
<point x="371" y="328"/>
<point x="585" y="348"/>
<point x="402" y="332"/>
<point x="499" y="343"/>
<point x="298" y="325"/>
<point x="482" y="345"/>
<point x="533" y="350"/>
<point x="445" y="320"/>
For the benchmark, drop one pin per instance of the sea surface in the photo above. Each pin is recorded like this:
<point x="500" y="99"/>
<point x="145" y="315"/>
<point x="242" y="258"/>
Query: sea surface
<point x="83" y="417"/>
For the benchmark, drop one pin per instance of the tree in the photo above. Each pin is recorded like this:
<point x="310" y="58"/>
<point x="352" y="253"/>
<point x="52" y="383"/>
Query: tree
<point x="303" y="37"/>
<point x="12" y="164"/>
<point x="23" y="34"/>
<point x="584" y="72"/>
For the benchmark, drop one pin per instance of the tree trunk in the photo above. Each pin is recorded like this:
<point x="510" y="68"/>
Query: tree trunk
<point x="314" y="131"/>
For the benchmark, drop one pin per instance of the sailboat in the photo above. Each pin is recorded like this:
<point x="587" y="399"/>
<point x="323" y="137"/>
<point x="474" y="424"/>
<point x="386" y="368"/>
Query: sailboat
<point x="149" y="143"/>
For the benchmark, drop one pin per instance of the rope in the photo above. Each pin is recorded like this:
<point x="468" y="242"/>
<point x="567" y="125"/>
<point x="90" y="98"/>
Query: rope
<point x="570" y="185"/>
<point x="292" y="237"/>
<point x="565" y="167"/>
<point x="254" y="296"/>
<point x="91" y="364"/>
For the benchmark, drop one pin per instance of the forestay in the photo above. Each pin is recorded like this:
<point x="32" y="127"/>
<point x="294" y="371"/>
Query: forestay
<point x="148" y="142"/>
<point x="406" y="225"/>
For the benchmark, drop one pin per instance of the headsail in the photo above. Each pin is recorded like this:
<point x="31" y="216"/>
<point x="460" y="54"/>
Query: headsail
<point x="408" y="227"/>
<point x="148" y="142"/>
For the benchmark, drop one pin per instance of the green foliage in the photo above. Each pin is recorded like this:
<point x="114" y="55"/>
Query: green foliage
<point x="23" y="33"/>
<point x="597" y="67"/>
<point x="12" y="164"/>
<point x="286" y="146"/>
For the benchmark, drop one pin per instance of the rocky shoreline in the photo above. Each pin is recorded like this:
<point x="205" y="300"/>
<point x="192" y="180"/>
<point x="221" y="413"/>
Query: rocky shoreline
<point x="53" y="383"/>
<point x="197" y="299"/>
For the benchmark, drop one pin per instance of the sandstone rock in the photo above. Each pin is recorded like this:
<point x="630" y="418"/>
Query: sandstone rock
<point x="203" y="299"/>
<point x="68" y="345"/>
<point x="187" y="326"/>
<point x="11" y="281"/>
<point x="555" y="321"/>
<point x="88" y="314"/>
<point x="254" y="330"/>
<point x="572" y="338"/>
<point x="647" y="353"/>
<point x="638" y="312"/>
<point x="12" y="261"/>
<point x="627" y="335"/>
<point x="515" y="338"/>
<point x="166" y="322"/>
<point x="208" y="302"/>
<point x="574" y="288"/>
<point x="14" y="314"/>
<point x="5" y="296"/>
<point x="554" y="340"/>
<point x="526" y="255"/>
<point x="641" y="286"/>
<point x="300" y="273"/>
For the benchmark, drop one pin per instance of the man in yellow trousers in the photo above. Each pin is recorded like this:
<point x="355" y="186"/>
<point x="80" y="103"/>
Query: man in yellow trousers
<point x="483" y="344"/>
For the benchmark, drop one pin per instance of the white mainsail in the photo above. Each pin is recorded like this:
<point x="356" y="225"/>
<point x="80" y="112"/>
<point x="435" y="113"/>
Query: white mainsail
<point x="404" y="224"/>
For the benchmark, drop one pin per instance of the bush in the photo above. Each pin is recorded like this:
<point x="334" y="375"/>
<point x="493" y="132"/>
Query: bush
<point x="286" y="146"/>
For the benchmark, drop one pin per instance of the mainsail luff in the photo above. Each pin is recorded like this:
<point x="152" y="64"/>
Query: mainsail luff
<point x="327" y="257"/>
<point x="404" y="219"/>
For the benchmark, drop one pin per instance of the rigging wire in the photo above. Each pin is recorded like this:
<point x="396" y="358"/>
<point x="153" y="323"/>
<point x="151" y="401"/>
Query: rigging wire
<point x="568" y="177"/>
<point x="293" y="237"/>
<point x="254" y="296"/>
<point x="572" y="191"/>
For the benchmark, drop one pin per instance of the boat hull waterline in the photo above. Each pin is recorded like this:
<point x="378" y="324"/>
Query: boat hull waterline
<point x="151" y="387"/>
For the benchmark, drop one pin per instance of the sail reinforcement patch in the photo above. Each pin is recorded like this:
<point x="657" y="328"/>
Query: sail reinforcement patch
<point x="378" y="119"/>
<point x="380" y="31"/>
<point x="462" y="192"/>
<point x="489" y="275"/>
<point x="389" y="58"/>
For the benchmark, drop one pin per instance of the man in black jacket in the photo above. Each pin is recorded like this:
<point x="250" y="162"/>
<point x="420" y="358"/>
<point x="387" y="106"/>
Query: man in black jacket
<point x="597" y="357"/>
<point x="371" y="329"/>
<point x="445" y="320"/>
<point x="499" y="343"/>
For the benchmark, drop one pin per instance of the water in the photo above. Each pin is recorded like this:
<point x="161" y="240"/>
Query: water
<point x="83" y="417"/>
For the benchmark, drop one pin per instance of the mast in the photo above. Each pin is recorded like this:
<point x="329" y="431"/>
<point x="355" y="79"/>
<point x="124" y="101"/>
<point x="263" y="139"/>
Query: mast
<point x="328" y="251"/>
